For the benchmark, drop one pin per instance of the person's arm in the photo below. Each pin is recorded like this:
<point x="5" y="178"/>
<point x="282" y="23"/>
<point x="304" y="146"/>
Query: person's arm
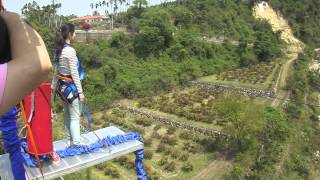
<point x="30" y="62"/>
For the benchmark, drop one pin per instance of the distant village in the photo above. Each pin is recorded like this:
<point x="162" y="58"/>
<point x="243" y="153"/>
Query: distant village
<point x="90" y="28"/>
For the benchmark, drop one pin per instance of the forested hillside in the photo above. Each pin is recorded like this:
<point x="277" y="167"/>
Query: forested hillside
<point x="303" y="17"/>
<point x="148" y="67"/>
<point x="168" y="48"/>
<point x="301" y="155"/>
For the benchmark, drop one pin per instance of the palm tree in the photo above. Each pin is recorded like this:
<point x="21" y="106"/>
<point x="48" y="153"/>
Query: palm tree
<point x="140" y="3"/>
<point x="114" y="6"/>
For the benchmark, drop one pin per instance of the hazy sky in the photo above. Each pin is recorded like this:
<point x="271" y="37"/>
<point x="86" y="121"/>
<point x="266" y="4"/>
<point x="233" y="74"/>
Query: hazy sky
<point x="77" y="7"/>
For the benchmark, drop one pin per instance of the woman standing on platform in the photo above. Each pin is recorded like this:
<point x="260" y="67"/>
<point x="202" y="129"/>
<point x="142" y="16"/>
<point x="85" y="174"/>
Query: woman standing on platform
<point x="67" y="82"/>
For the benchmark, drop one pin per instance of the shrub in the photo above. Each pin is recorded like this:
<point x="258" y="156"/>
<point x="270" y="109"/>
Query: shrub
<point x="143" y="121"/>
<point x="148" y="154"/>
<point x="122" y="160"/>
<point x="185" y="135"/>
<point x="147" y="167"/>
<point x="147" y="142"/>
<point x="175" y="153"/>
<point x="168" y="150"/>
<point x="110" y="118"/>
<point x="125" y="162"/>
<point x="169" y="140"/>
<point x="157" y="127"/>
<point x="184" y="157"/>
<point x="163" y="161"/>
<point x="171" y="130"/>
<point x="170" y="166"/>
<point x="145" y="102"/>
<point x="191" y="147"/>
<point x="131" y="164"/>
<point x="155" y="135"/>
<point x="119" y="113"/>
<point x="101" y="166"/>
<point x="194" y="148"/>
<point x="187" y="167"/>
<point x="161" y="148"/>
<point x="111" y="171"/>
<point x="140" y="130"/>
<point x="153" y="175"/>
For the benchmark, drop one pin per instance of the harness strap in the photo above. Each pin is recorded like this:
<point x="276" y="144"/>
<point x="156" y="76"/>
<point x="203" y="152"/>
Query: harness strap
<point x="85" y="110"/>
<point x="31" y="113"/>
<point x="32" y="107"/>
<point x="24" y="117"/>
<point x="32" y="110"/>
<point x="68" y="87"/>
<point x="88" y="117"/>
<point x="64" y="78"/>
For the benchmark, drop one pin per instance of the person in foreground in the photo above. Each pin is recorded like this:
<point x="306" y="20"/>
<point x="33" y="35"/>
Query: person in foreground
<point x="29" y="64"/>
<point x="24" y="64"/>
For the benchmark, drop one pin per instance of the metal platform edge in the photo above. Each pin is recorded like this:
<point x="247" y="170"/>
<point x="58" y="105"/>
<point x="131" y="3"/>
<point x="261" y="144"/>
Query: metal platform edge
<point x="5" y="165"/>
<point x="90" y="164"/>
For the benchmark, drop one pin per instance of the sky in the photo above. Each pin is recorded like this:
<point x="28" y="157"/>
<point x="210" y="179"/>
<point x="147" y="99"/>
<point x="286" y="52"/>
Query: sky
<point x="77" y="7"/>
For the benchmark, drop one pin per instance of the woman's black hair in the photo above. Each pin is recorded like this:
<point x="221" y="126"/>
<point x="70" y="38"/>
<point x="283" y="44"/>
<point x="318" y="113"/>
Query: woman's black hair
<point x="5" y="50"/>
<point x="62" y="36"/>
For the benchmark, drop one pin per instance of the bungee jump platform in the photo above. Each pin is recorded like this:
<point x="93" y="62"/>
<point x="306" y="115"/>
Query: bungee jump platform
<point x="75" y="163"/>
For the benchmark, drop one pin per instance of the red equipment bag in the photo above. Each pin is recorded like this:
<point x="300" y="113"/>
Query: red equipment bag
<point x="41" y="124"/>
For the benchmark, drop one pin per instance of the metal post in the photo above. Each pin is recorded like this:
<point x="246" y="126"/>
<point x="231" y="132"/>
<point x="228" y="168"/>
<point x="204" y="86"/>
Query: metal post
<point x="54" y="15"/>
<point x="86" y="36"/>
<point x="89" y="174"/>
<point x="112" y="22"/>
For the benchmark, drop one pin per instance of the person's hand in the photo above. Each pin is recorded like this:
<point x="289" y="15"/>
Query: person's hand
<point x="82" y="97"/>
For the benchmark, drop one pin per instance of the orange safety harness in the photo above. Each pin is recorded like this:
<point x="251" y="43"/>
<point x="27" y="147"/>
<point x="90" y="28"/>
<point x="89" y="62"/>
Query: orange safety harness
<point x="64" y="78"/>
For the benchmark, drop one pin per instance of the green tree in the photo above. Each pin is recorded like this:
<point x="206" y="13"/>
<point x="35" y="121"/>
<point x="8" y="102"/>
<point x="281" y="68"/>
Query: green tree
<point x="182" y="17"/>
<point x="45" y="15"/>
<point x="248" y="58"/>
<point x="155" y="33"/>
<point x="109" y="4"/>
<point x="45" y="21"/>
<point x="120" y="40"/>
<point x="268" y="44"/>
<point x="244" y="120"/>
<point x="140" y="3"/>
<point x="149" y="41"/>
